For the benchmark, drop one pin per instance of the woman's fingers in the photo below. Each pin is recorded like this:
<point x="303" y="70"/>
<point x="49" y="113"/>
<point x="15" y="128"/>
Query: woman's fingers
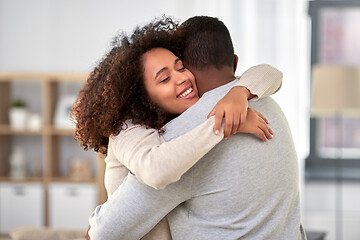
<point x="261" y="134"/>
<point x="262" y="116"/>
<point x="218" y="120"/>
<point x="228" y="124"/>
<point x="266" y="130"/>
<point x="236" y="123"/>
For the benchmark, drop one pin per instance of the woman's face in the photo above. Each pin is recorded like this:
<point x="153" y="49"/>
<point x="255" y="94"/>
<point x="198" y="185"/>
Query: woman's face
<point x="169" y="85"/>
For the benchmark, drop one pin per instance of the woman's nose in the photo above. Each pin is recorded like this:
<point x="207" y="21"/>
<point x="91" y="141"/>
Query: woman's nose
<point x="181" y="78"/>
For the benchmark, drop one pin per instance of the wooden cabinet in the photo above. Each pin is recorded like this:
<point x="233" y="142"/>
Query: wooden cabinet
<point x="48" y="150"/>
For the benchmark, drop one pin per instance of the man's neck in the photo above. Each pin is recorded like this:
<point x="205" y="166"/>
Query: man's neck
<point x="210" y="78"/>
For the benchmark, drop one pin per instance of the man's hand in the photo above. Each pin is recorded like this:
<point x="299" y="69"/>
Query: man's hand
<point x="233" y="108"/>
<point x="256" y="124"/>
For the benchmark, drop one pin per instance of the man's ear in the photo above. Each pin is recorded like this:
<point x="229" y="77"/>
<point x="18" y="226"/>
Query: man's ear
<point x="236" y="59"/>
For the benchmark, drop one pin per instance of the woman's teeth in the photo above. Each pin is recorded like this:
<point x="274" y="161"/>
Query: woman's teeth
<point x="186" y="93"/>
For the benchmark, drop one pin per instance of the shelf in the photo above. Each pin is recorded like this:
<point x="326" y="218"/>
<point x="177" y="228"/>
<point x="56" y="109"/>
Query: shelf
<point x="72" y="180"/>
<point x="21" y="180"/>
<point x="7" y="130"/>
<point x="48" y="179"/>
<point x="44" y="77"/>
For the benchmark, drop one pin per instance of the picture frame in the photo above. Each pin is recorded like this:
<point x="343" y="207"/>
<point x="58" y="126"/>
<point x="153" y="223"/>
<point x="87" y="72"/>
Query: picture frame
<point x="62" y="114"/>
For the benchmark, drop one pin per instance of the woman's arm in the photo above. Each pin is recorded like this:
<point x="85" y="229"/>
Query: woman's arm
<point x="257" y="82"/>
<point x="158" y="163"/>
<point x="115" y="171"/>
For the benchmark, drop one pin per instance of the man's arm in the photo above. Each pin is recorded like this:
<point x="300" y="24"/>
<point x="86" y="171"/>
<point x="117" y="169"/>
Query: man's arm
<point x="134" y="209"/>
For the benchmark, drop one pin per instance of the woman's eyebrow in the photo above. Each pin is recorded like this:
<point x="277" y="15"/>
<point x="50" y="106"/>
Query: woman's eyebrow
<point x="177" y="60"/>
<point x="160" y="71"/>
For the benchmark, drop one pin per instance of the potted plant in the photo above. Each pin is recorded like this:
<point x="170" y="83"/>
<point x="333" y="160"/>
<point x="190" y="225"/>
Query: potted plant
<point x="18" y="114"/>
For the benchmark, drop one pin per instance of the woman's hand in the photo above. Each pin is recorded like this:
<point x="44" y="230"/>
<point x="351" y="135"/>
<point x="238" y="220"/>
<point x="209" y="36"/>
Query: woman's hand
<point x="233" y="108"/>
<point x="256" y="124"/>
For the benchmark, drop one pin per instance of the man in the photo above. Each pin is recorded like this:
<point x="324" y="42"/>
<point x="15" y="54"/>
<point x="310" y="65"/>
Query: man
<point x="241" y="189"/>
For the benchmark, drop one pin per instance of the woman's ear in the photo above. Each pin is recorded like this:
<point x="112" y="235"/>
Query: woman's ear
<point x="236" y="59"/>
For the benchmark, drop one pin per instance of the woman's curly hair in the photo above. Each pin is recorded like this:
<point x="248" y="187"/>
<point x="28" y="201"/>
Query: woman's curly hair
<point x="115" y="91"/>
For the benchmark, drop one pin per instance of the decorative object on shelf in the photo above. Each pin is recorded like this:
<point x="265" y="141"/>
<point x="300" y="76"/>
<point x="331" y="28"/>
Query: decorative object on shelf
<point x="18" y="114"/>
<point x="80" y="169"/>
<point x="34" y="122"/>
<point x="17" y="164"/>
<point x="62" y="115"/>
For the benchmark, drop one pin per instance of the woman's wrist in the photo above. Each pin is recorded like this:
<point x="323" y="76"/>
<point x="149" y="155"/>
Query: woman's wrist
<point x="241" y="90"/>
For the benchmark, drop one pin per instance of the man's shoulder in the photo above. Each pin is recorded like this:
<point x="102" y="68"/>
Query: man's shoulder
<point x="266" y="105"/>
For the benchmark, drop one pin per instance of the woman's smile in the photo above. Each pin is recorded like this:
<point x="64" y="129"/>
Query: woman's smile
<point x="186" y="93"/>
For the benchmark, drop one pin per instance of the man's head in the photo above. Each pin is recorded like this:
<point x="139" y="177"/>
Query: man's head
<point x="209" y="52"/>
<point x="208" y="43"/>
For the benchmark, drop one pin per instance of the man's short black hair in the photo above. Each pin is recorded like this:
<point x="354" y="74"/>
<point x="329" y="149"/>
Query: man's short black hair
<point x="208" y="43"/>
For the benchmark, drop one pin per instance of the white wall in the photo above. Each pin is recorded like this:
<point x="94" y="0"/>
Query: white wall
<point x="65" y="35"/>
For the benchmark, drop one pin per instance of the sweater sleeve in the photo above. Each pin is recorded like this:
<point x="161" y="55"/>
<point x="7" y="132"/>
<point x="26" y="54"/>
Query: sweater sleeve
<point x="115" y="171"/>
<point x="115" y="174"/>
<point x="261" y="80"/>
<point x="158" y="163"/>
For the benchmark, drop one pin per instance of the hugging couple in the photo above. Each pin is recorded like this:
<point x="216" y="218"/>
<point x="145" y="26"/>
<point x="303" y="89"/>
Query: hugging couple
<point x="188" y="156"/>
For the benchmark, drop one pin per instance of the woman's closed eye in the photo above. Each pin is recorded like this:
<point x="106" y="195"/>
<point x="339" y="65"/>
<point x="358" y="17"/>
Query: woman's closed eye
<point x="180" y="66"/>
<point x="181" y="69"/>
<point x="164" y="80"/>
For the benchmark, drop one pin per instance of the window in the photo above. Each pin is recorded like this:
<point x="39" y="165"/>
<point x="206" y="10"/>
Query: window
<point x="335" y="40"/>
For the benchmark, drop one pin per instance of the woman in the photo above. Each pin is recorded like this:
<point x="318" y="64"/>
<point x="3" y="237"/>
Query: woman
<point x="118" y="99"/>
